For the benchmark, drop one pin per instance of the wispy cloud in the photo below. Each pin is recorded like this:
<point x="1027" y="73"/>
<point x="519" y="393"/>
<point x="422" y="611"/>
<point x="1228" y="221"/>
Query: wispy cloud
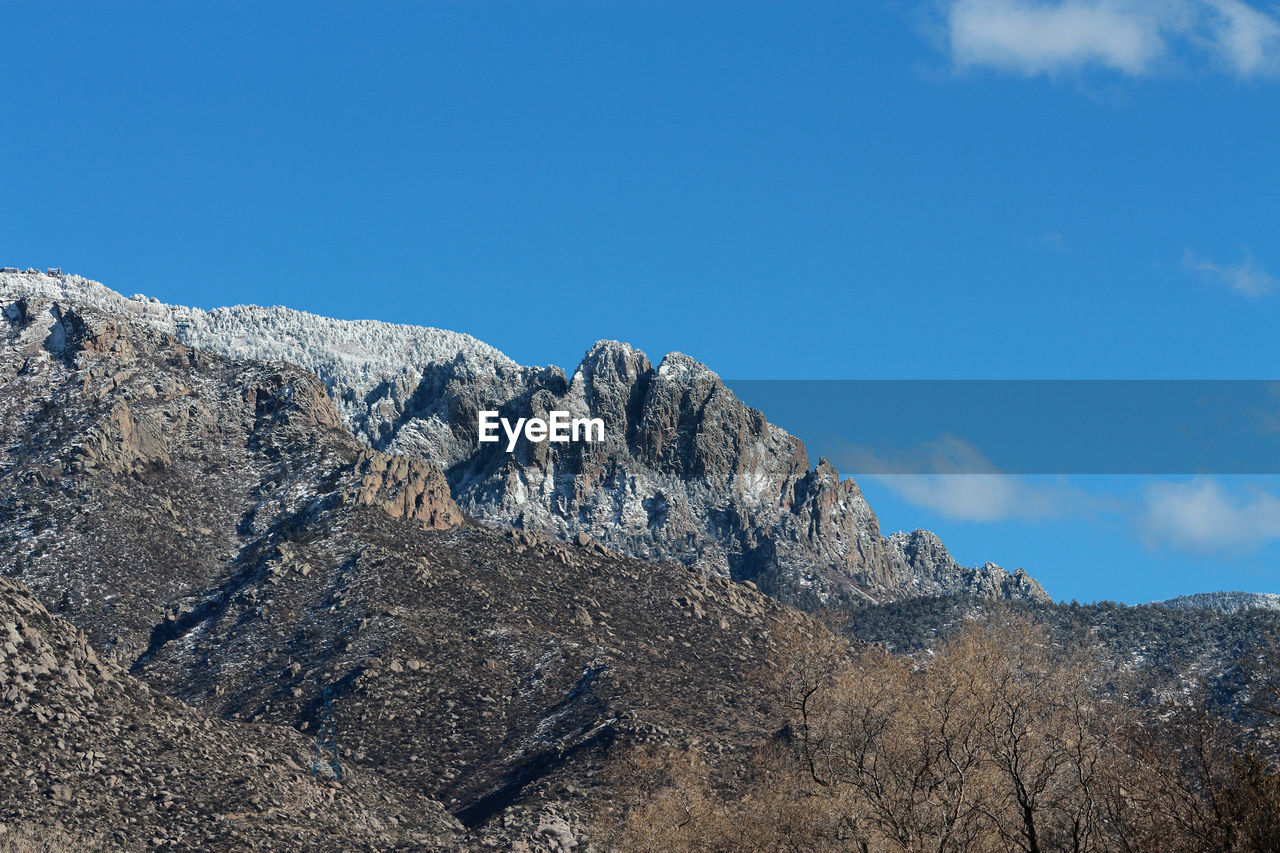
<point x="1200" y="515"/>
<point x="1246" y="277"/>
<point x="1246" y="38"/>
<point x="963" y="485"/>
<point x="1045" y="240"/>
<point x="1197" y="515"/>
<point x="985" y="497"/>
<point x="1131" y="37"/>
<point x="1032" y="37"/>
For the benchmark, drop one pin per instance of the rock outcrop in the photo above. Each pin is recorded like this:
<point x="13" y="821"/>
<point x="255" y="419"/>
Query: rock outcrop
<point x="408" y="488"/>
<point x="934" y="572"/>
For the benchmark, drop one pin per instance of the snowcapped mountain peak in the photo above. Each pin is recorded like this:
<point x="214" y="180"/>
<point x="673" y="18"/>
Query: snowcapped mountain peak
<point x="678" y="367"/>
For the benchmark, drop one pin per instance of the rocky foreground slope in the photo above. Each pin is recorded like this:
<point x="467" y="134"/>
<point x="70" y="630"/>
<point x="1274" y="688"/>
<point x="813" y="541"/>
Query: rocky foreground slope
<point x="687" y="473"/>
<point x="94" y="759"/>
<point x="219" y="536"/>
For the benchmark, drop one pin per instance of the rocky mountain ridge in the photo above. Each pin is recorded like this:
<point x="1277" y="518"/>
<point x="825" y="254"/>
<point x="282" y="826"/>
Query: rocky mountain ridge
<point x="207" y="533"/>
<point x="687" y="471"/>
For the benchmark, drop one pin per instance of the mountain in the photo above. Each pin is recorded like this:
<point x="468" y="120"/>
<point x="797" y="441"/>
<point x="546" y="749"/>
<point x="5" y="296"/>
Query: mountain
<point x="208" y="529"/>
<point x="1224" y="602"/>
<point x="206" y="577"/>
<point x="687" y="471"/>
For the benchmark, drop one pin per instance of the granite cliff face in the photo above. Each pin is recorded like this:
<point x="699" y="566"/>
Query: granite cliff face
<point x="687" y="471"/>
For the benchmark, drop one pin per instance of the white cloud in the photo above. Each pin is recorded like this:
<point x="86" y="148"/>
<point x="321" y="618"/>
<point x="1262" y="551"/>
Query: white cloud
<point x="963" y="485"/>
<point x="1128" y="36"/>
<point x="1245" y="278"/>
<point x="1200" y="515"/>
<point x="1194" y="515"/>
<point x="983" y="497"/>
<point x="1248" y="39"/>
<point x="1033" y="37"/>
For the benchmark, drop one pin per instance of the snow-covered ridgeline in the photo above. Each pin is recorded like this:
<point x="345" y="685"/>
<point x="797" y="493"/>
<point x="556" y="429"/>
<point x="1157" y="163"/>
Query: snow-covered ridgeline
<point x="350" y="347"/>
<point x="1224" y="602"/>
<point x="360" y="361"/>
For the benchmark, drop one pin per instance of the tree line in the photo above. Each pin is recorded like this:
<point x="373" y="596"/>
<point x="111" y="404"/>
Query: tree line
<point x="1003" y="737"/>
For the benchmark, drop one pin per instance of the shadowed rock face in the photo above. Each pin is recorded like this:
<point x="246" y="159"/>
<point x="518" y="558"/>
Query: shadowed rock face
<point x="97" y="760"/>
<point x="129" y="455"/>
<point x="687" y="471"/>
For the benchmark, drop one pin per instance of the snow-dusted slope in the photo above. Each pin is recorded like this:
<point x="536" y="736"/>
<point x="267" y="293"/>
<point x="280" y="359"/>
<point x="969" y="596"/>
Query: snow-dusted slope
<point x="1224" y="602"/>
<point x="687" y="471"/>
<point x="369" y="367"/>
<point x="351" y="350"/>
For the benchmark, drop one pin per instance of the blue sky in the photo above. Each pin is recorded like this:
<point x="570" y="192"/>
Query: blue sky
<point x="870" y="189"/>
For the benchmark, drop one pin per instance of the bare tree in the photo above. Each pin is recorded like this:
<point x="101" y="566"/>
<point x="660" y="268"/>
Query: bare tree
<point x="1003" y="739"/>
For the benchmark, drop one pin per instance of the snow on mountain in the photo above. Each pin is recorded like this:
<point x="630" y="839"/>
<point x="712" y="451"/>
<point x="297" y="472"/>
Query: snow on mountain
<point x="1224" y="602"/>
<point x="369" y="367"/>
<point x="687" y="472"/>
